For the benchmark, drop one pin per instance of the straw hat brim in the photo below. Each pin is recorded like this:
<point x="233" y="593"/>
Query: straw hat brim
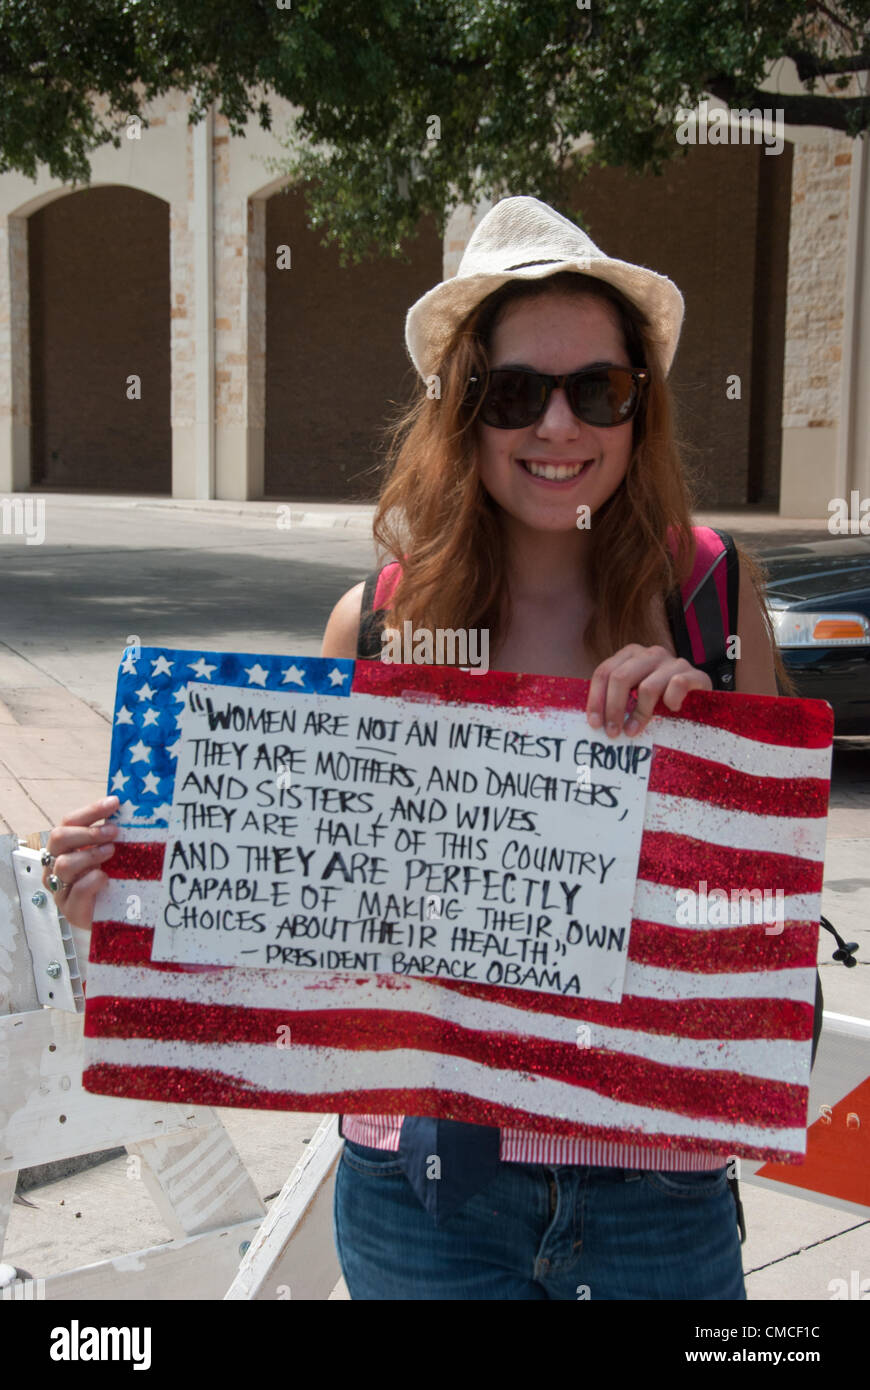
<point x="431" y="322"/>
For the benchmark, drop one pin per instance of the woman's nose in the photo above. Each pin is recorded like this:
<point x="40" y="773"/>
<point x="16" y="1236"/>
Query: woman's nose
<point x="558" y="414"/>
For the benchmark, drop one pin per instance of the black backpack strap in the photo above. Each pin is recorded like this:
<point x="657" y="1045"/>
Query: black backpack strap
<point x="817" y="1018"/>
<point x="371" y="621"/>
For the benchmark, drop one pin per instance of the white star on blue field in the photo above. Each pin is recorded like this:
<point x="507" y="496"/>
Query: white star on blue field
<point x="149" y="701"/>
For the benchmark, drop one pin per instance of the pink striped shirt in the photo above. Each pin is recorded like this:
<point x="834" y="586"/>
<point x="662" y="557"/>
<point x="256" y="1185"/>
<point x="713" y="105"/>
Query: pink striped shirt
<point x="527" y="1146"/>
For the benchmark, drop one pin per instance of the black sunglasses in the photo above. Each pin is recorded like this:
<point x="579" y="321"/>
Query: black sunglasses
<point x="513" y="397"/>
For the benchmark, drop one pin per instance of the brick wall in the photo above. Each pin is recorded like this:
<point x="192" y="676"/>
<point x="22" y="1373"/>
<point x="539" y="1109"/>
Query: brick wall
<point x="816" y="282"/>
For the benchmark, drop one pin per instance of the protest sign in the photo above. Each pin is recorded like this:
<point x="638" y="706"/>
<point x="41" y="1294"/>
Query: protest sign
<point x="630" y="1003"/>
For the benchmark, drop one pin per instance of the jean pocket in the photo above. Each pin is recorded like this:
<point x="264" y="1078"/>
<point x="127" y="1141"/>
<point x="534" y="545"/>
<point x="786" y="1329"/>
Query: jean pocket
<point x="696" y="1183"/>
<point x="379" y="1163"/>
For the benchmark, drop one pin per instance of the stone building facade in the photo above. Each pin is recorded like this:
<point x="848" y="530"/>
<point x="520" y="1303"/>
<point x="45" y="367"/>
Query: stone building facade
<point x="176" y="328"/>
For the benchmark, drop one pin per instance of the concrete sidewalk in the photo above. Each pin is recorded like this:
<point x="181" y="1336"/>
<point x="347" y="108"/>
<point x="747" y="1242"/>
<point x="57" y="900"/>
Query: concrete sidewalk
<point x="749" y="525"/>
<point x="54" y="748"/>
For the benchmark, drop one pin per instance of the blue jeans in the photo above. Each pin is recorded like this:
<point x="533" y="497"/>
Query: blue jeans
<point x="538" y="1232"/>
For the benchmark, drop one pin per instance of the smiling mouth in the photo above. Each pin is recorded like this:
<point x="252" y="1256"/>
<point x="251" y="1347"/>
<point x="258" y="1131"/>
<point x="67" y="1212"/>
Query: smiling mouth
<point x="555" y="472"/>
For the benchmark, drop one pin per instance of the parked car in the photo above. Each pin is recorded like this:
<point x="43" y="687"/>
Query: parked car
<point x="818" y="596"/>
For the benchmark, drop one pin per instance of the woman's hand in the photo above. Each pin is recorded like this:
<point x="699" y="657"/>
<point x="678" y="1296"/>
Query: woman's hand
<point x="657" y="674"/>
<point x="80" y="847"/>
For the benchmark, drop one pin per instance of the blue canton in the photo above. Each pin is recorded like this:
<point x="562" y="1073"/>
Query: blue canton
<point x="149" y="701"/>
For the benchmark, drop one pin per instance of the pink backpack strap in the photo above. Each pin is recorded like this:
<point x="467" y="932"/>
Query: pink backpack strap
<point x="705" y="598"/>
<point x="388" y="580"/>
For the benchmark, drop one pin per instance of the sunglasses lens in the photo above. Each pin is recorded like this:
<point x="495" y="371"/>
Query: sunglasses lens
<point x="513" y="399"/>
<point x="604" y="398"/>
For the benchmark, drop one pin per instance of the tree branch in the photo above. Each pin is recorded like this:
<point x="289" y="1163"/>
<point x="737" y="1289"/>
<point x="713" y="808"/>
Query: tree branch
<point x="832" y="112"/>
<point x="810" y="65"/>
<point x="836" y="19"/>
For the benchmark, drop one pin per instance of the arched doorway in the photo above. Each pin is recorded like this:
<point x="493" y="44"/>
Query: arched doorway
<point x="717" y="223"/>
<point x="99" y="342"/>
<point x="335" y="354"/>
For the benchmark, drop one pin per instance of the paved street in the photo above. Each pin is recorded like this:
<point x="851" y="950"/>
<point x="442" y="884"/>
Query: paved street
<point x="226" y="576"/>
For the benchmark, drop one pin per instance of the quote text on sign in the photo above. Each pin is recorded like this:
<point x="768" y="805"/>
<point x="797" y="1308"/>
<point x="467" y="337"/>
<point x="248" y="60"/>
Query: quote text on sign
<point x="373" y="834"/>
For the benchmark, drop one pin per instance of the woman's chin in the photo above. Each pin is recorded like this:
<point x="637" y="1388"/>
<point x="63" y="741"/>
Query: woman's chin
<point x="548" y="520"/>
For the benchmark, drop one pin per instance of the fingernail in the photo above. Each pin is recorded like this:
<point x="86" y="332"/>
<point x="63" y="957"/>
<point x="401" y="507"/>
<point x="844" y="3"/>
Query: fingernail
<point x="612" y="728"/>
<point x="105" y="849"/>
<point x="632" y="726"/>
<point x="108" y="830"/>
<point x="593" y="718"/>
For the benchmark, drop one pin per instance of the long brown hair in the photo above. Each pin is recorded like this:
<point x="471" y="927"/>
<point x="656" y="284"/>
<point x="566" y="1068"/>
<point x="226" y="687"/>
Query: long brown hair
<point x="435" y="514"/>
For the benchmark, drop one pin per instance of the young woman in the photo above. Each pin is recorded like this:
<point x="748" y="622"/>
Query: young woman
<point x="497" y="468"/>
<point x="546" y="406"/>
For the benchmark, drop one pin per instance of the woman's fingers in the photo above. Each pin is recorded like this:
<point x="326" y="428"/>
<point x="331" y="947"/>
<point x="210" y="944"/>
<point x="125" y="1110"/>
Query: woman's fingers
<point x="654" y="672"/>
<point x="87" y="815"/>
<point x="670" y="683"/>
<point x="601" y="676"/>
<point x="77" y="902"/>
<point x="80" y="846"/>
<point x="70" y="867"/>
<point x="66" y="838"/>
<point x="613" y="681"/>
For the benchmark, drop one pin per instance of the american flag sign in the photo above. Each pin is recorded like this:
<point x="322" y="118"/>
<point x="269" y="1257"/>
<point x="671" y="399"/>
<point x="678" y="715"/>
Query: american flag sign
<point x="708" y="1047"/>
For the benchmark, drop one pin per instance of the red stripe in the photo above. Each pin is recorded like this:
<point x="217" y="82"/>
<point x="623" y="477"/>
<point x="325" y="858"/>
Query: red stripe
<point x="489" y="688"/>
<point x="117" y="943"/>
<point x="685" y="774"/>
<point x="136" y="859"/>
<point x="769" y="1017"/>
<point x="691" y="1091"/>
<point x="773" y="719"/>
<point x="784" y="723"/>
<point x="216" y="1088"/>
<point x="681" y="862"/>
<point x="723" y="950"/>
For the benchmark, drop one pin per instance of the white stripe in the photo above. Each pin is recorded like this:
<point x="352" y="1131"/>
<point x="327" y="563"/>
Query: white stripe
<point x="701" y="820"/>
<point x="315" y="1071"/>
<point x="772" y="1059"/>
<point x="743" y="754"/>
<point x="122" y="895"/>
<point x="650" y="982"/>
<point x="657" y="902"/>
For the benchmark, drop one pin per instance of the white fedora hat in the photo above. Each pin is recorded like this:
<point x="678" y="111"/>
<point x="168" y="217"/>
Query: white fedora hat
<point x="524" y="239"/>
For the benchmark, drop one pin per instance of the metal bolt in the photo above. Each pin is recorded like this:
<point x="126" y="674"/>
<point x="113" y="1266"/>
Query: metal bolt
<point x="53" y="969"/>
<point x="39" y="899"/>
